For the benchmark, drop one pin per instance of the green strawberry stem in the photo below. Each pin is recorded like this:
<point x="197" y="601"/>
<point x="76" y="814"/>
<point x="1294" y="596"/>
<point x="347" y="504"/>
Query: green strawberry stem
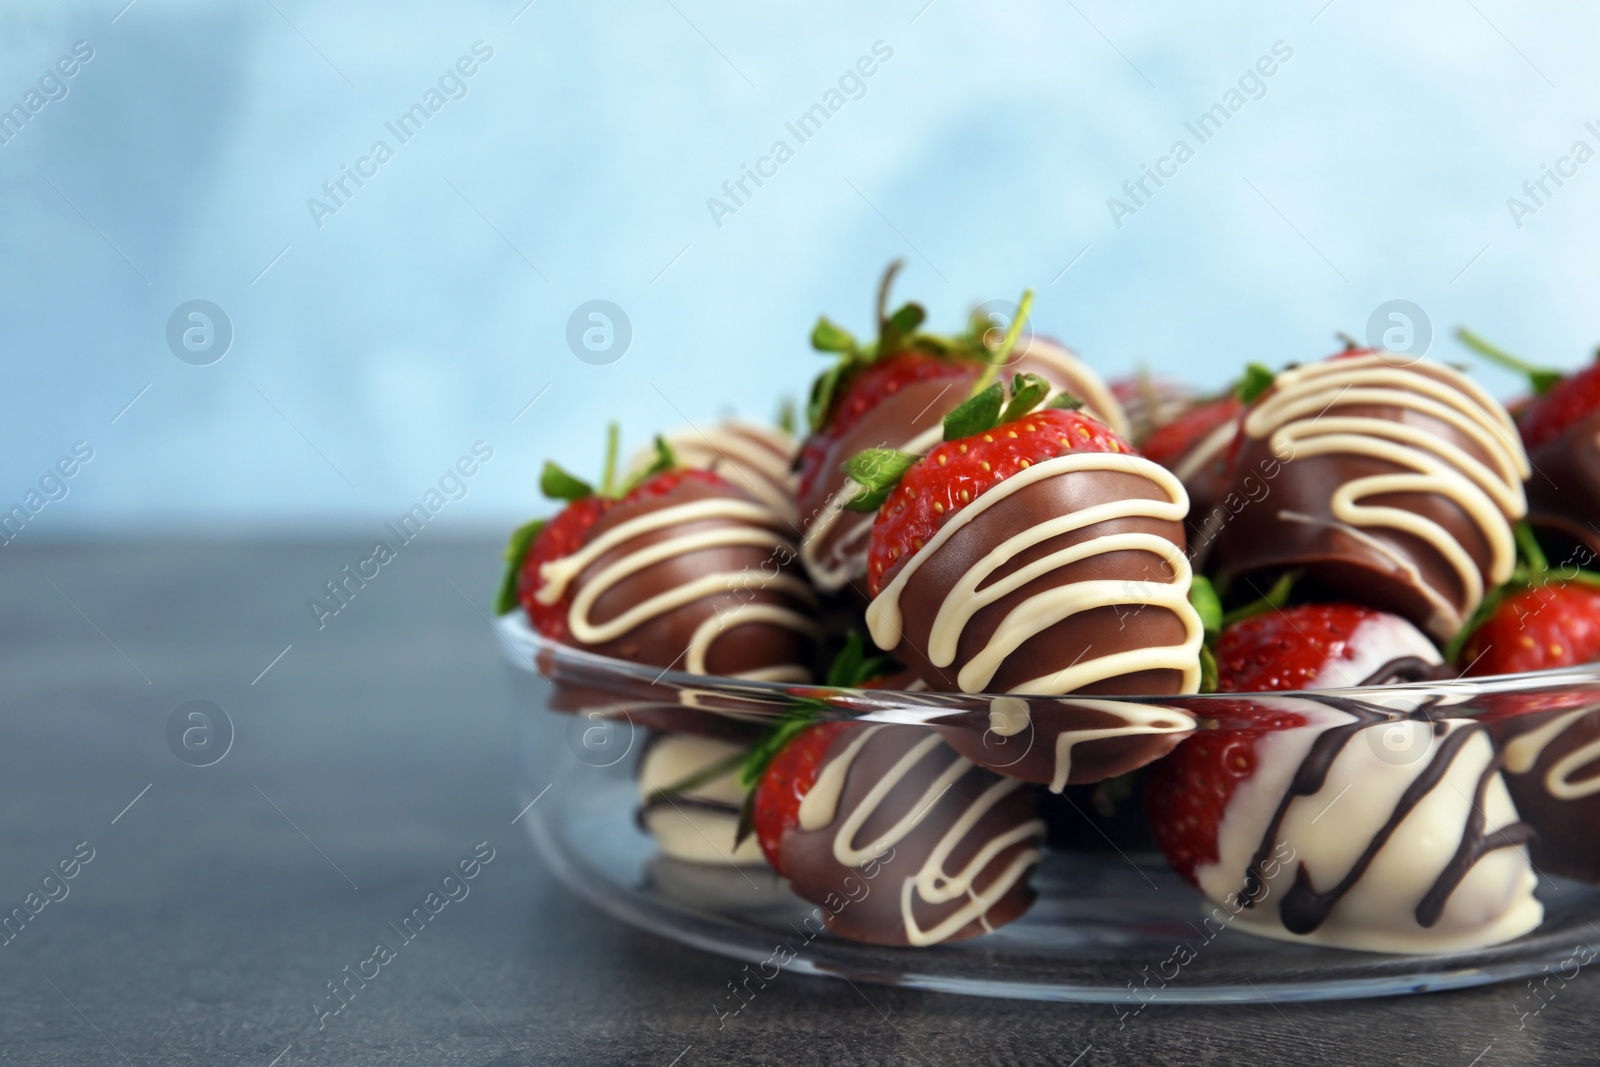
<point x="1538" y="565"/>
<point x="1274" y="598"/>
<point x="883" y="294"/>
<point x="700" y="777"/>
<point x="1540" y="379"/>
<point x="1208" y="670"/>
<point x="1002" y="353"/>
<point x="608" y="473"/>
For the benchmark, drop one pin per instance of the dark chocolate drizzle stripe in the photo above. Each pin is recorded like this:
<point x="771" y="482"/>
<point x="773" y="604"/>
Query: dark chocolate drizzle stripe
<point x="1403" y="669"/>
<point x="1475" y="844"/>
<point x="682" y="804"/>
<point x="1303" y="908"/>
<point x="1307" y="781"/>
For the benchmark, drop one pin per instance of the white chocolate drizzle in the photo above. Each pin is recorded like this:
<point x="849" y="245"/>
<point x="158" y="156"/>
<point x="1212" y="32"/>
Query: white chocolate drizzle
<point x="847" y="559"/>
<point x="715" y="522"/>
<point x="931" y="882"/>
<point x="974" y="590"/>
<point x="1210" y="447"/>
<point x="1009" y="716"/>
<point x="1355" y="816"/>
<point x="754" y="458"/>
<point x="1138" y="719"/>
<point x="1300" y="417"/>
<point x="1523" y="751"/>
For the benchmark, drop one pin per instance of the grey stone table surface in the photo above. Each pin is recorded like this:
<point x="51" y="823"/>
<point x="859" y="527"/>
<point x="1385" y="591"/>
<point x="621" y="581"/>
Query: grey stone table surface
<point x="367" y="759"/>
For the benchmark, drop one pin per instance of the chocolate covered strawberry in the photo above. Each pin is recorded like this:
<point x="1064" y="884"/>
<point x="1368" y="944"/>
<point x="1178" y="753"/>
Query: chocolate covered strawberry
<point x="899" y="839"/>
<point x="893" y="392"/>
<point x="1386" y="480"/>
<point x="1030" y="551"/>
<point x="1188" y="792"/>
<point x="1560" y="426"/>
<point x="1322" y="646"/>
<point x="1338" y="825"/>
<point x="676" y="568"/>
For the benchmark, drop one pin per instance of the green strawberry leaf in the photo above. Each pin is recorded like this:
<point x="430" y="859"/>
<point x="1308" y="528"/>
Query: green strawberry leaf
<point x="821" y="400"/>
<point x="1203" y="595"/>
<point x="1208" y="670"/>
<point x="877" y="471"/>
<point x="852" y="666"/>
<point x="557" y="484"/>
<point x="1066" y="402"/>
<point x="516" y="551"/>
<point x="699" y="778"/>
<point x="792" y="723"/>
<point x="1257" y="379"/>
<point x="1027" y="390"/>
<point x="786" y="416"/>
<point x="665" y="460"/>
<point x="1274" y="598"/>
<point x="828" y="336"/>
<point x="975" y="415"/>
<point x="904" y="322"/>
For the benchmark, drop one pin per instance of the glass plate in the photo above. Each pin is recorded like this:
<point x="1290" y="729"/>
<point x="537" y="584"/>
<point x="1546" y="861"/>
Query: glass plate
<point x="1107" y="927"/>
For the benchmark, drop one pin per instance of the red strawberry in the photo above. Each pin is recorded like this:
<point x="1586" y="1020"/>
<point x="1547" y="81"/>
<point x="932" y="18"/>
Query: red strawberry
<point x="543" y="541"/>
<point x="561" y="536"/>
<point x="1546" y="417"/>
<point x="866" y="390"/>
<point x="1169" y="444"/>
<point x="775" y="805"/>
<point x="569" y="531"/>
<point x="1549" y="625"/>
<point x="1320" y="646"/>
<point x="1187" y="793"/>
<point x="955" y="472"/>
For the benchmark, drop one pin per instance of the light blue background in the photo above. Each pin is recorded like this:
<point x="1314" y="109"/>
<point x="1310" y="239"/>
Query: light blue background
<point x="412" y="323"/>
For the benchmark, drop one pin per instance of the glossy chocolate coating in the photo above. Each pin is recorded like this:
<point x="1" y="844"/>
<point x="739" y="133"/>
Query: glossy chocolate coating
<point x="894" y="422"/>
<point x="1285" y="518"/>
<point x="898" y="419"/>
<point x="1063" y="743"/>
<point x="1564" y="494"/>
<point x="663" y="639"/>
<point x="867" y="901"/>
<point x="1567" y="839"/>
<point x="1087" y="634"/>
